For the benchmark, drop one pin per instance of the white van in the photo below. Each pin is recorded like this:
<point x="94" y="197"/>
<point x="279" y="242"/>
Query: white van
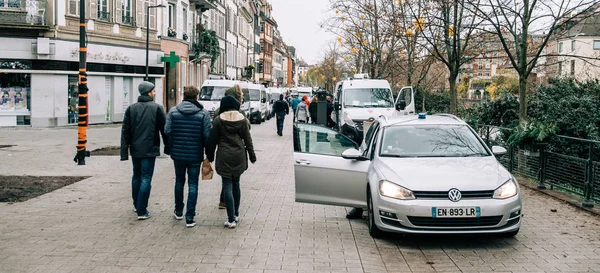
<point x="359" y="99"/>
<point x="305" y="91"/>
<point x="211" y="93"/>
<point x="255" y="100"/>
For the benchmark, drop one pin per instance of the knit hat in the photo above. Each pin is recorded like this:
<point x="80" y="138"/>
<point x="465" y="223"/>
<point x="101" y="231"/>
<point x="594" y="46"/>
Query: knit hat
<point x="145" y="88"/>
<point x="229" y="103"/>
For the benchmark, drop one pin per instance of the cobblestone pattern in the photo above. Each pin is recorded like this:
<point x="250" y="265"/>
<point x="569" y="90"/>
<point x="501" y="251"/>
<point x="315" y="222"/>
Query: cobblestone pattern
<point x="90" y="226"/>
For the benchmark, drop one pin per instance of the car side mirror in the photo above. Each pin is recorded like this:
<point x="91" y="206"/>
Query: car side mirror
<point x="272" y="101"/>
<point x="352" y="154"/>
<point x="401" y="105"/>
<point x="337" y="106"/>
<point x="498" y="151"/>
<point x="263" y="100"/>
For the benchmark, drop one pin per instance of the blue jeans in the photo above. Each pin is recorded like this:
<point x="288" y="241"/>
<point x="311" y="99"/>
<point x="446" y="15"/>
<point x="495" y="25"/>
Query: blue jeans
<point x="193" y="173"/>
<point x="141" y="182"/>
<point x="232" y="194"/>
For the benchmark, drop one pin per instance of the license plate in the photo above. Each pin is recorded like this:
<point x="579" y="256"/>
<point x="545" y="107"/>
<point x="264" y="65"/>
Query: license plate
<point x="464" y="212"/>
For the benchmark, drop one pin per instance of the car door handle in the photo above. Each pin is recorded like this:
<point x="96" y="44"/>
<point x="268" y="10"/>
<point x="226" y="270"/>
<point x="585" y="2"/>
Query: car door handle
<point x="303" y="162"/>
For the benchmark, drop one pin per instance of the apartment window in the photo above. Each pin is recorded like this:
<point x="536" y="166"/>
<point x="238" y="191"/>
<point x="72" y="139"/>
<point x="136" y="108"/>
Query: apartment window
<point x="572" y="67"/>
<point x="560" y="47"/>
<point x="73" y="8"/>
<point x="573" y="45"/>
<point x="185" y="19"/>
<point x="142" y="9"/>
<point x="262" y="27"/>
<point x="596" y="44"/>
<point x="172" y="15"/>
<point x="103" y="13"/>
<point x="10" y="4"/>
<point x="559" y="68"/>
<point x="123" y="12"/>
<point x="183" y="74"/>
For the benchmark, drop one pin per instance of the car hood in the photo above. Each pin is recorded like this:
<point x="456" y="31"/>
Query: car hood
<point x="443" y="174"/>
<point x="367" y="113"/>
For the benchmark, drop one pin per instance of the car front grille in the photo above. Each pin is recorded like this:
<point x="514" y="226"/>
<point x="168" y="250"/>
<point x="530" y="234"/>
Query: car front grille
<point x="455" y="222"/>
<point x="444" y="194"/>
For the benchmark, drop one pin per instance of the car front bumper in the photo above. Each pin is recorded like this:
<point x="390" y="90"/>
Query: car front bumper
<point x="415" y="216"/>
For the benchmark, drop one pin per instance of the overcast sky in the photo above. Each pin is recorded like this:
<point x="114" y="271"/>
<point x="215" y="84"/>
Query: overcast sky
<point x="299" y="24"/>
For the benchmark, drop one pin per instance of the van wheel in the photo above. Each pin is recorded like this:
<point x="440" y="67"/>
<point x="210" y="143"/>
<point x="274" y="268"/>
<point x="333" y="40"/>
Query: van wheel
<point x="374" y="231"/>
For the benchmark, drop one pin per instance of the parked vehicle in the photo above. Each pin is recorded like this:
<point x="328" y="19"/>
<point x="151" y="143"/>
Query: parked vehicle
<point x="413" y="174"/>
<point x="256" y="97"/>
<point x="359" y="99"/>
<point x="212" y="91"/>
<point x="305" y="91"/>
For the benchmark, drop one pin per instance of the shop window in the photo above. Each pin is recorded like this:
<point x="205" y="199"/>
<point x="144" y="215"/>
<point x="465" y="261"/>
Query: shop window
<point x="73" y="99"/>
<point x="11" y="4"/>
<point x="15" y="91"/>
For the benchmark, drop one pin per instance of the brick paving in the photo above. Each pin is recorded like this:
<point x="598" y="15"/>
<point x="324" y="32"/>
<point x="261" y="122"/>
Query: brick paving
<point x="90" y="226"/>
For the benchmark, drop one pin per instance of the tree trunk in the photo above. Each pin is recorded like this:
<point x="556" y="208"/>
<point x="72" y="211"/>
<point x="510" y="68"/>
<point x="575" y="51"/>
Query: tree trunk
<point x="523" y="88"/>
<point x="453" y="94"/>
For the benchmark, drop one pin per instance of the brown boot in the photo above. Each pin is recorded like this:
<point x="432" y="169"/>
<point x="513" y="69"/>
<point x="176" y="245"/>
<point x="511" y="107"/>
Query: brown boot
<point x="222" y="205"/>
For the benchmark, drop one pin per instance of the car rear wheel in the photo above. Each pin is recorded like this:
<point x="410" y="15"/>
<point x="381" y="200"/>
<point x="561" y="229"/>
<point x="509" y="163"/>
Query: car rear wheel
<point x="374" y="231"/>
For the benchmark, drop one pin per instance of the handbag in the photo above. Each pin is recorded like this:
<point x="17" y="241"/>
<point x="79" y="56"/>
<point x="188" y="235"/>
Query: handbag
<point x="207" y="170"/>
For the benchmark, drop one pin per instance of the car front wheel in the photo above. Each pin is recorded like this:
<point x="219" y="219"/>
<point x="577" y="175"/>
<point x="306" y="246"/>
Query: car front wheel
<point x="374" y="231"/>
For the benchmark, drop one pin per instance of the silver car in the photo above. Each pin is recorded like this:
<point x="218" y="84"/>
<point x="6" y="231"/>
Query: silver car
<point x="414" y="174"/>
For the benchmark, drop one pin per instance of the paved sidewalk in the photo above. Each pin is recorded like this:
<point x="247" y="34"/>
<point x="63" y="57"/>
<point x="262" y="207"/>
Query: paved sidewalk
<point x="90" y="226"/>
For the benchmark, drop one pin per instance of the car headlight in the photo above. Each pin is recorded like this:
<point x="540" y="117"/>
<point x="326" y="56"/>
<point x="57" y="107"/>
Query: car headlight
<point x="507" y="190"/>
<point x="348" y="120"/>
<point x="392" y="190"/>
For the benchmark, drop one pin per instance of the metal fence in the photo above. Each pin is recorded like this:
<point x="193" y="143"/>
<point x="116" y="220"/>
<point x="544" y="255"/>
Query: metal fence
<point x="575" y="174"/>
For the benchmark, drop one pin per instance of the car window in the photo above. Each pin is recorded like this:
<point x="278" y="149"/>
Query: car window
<point x="315" y="139"/>
<point x="368" y="98"/>
<point x="369" y="137"/>
<point x="431" y="141"/>
<point x="373" y="144"/>
<point x="213" y="93"/>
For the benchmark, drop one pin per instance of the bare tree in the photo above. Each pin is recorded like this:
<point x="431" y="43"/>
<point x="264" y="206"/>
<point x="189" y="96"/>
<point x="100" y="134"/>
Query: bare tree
<point x="515" y="21"/>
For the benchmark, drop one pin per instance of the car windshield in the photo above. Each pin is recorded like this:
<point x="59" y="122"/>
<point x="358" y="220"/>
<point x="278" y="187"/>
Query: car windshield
<point x="431" y="141"/>
<point x="213" y="92"/>
<point x="254" y="95"/>
<point x="368" y="98"/>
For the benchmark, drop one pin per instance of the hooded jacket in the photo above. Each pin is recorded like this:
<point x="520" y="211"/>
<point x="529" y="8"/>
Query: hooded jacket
<point x="231" y="134"/>
<point x="188" y="127"/>
<point x="142" y="123"/>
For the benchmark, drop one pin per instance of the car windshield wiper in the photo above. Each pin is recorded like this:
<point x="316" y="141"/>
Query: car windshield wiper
<point x="398" y="156"/>
<point x="473" y="155"/>
<point x="355" y="106"/>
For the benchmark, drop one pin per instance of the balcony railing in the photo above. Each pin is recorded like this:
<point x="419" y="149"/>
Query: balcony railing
<point x="16" y="15"/>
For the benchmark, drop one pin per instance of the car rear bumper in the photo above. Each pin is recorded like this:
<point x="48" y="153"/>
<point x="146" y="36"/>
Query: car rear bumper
<point x="415" y="216"/>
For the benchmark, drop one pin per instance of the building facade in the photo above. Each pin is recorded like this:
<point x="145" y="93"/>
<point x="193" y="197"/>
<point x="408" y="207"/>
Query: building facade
<point x="267" y="27"/>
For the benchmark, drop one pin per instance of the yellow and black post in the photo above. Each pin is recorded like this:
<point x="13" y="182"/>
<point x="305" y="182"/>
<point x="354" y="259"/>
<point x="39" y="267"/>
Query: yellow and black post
<point x="82" y="125"/>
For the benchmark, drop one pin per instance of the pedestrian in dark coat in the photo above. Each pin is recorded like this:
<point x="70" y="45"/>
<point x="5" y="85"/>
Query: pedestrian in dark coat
<point x="188" y="126"/>
<point x="142" y="124"/>
<point x="230" y="133"/>
<point x="313" y="110"/>
<point x="281" y="109"/>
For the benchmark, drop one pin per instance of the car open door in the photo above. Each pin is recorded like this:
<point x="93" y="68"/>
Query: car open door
<point x="405" y="102"/>
<point x="322" y="176"/>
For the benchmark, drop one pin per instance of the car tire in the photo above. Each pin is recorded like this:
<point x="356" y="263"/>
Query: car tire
<point x="374" y="231"/>
<point x="510" y="234"/>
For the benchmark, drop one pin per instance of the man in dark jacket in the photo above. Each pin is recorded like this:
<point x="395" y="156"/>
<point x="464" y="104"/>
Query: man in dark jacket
<point x="188" y="127"/>
<point x="142" y="124"/>
<point x="281" y="109"/>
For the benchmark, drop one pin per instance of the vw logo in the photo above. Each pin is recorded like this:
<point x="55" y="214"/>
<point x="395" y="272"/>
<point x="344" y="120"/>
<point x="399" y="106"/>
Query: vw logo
<point x="454" y="195"/>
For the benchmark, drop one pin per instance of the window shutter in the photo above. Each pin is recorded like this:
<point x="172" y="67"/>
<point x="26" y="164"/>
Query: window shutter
<point x="94" y="9"/>
<point x="139" y="19"/>
<point x="118" y="11"/>
<point x="73" y="7"/>
<point x="152" y="17"/>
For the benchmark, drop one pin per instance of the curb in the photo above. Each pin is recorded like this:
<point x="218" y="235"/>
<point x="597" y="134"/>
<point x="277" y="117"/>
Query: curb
<point x="569" y="199"/>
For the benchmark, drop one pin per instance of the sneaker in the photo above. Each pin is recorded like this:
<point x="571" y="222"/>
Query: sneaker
<point x="178" y="216"/>
<point x="222" y="205"/>
<point x="230" y="225"/>
<point x="145" y="216"/>
<point x="237" y="219"/>
<point x="190" y="222"/>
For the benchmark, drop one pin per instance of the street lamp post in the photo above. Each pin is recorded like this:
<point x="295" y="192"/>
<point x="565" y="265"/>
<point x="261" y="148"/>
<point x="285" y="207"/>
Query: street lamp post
<point x="148" y="34"/>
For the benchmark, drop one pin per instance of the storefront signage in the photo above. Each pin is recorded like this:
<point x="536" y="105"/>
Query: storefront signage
<point x="111" y="56"/>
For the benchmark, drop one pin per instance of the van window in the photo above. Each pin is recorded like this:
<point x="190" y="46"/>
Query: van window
<point x="264" y="94"/>
<point x="368" y="98"/>
<point x="254" y="94"/>
<point x="214" y="93"/>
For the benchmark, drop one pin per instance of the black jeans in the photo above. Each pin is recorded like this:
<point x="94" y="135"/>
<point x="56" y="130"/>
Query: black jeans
<point x="280" y="120"/>
<point x="193" y="173"/>
<point x="141" y="182"/>
<point x="232" y="194"/>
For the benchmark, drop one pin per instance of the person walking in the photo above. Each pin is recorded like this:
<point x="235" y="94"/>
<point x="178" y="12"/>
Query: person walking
<point x="295" y="102"/>
<point x="188" y="127"/>
<point x="281" y="109"/>
<point x="302" y="113"/>
<point x="142" y="124"/>
<point x="231" y="134"/>
<point x="312" y="109"/>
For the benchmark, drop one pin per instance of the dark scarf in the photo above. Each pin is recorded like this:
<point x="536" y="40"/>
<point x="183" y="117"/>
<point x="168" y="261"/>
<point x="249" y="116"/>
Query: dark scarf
<point x="195" y="102"/>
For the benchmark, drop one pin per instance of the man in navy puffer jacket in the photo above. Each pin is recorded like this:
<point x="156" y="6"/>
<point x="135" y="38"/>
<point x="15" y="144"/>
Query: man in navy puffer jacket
<point x="188" y="126"/>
